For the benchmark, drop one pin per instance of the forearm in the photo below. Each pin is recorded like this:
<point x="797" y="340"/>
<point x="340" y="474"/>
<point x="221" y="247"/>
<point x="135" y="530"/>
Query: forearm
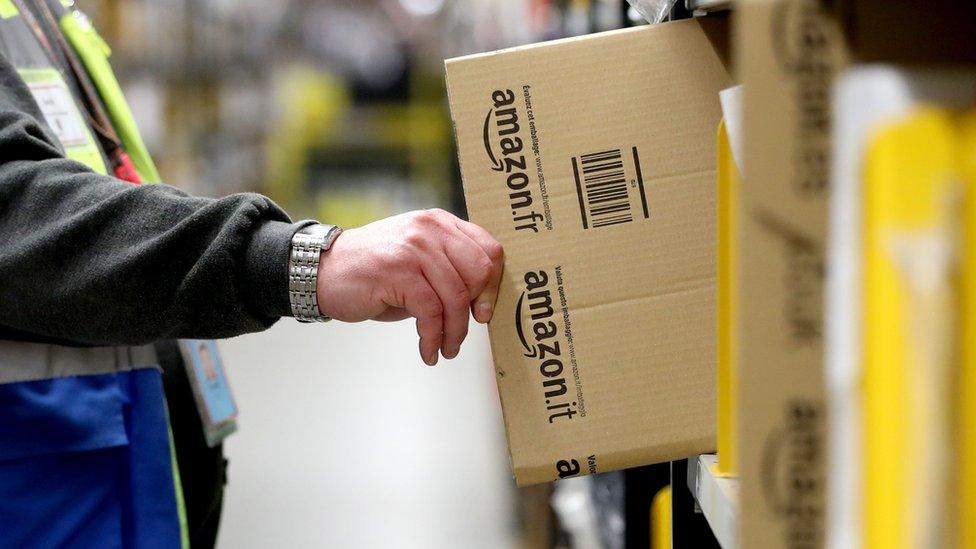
<point x="87" y="258"/>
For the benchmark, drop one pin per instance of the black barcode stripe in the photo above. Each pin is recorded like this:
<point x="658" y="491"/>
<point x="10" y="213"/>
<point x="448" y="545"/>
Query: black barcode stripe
<point x="609" y="184"/>
<point x="603" y="161"/>
<point x="603" y="167"/>
<point x="595" y="179"/>
<point x="579" y="193"/>
<point x="608" y="187"/>
<point x="610" y="208"/>
<point x="600" y="155"/>
<point x="604" y="187"/>
<point x="604" y="190"/>
<point x="640" y="182"/>
<point x="613" y="221"/>
<point x="610" y="220"/>
<point x="607" y="197"/>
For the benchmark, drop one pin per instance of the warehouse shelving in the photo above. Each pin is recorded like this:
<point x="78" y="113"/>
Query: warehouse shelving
<point x="697" y="6"/>
<point x="717" y="497"/>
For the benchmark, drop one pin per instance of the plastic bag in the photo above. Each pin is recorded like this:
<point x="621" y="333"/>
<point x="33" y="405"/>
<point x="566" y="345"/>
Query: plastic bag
<point x="653" y="10"/>
<point x="590" y="510"/>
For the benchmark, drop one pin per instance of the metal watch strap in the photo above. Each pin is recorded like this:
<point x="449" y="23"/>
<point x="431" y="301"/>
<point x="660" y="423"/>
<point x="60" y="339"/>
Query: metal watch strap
<point x="303" y="270"/>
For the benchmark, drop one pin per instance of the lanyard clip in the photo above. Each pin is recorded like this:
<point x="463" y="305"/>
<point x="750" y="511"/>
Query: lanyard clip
<point x="124" y="168"/>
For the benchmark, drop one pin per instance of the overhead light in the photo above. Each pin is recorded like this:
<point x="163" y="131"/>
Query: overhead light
<point x="422" y="8"/>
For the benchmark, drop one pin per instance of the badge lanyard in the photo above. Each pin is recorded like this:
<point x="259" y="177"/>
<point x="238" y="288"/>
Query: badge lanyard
<point x="211" y="389"/>
<point x="121" y="163"/>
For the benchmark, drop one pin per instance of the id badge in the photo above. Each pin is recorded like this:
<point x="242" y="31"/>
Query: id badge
<point x="61" y="113"/>
<point x="211" y="389"/>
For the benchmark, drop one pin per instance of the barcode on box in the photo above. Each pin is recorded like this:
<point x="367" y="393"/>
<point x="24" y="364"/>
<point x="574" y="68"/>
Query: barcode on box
<point x="609" y="187"/>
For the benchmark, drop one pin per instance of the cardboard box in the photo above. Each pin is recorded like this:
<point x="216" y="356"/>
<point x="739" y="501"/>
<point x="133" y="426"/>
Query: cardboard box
<point x="592" y="160"/>
<point x="788" y="53"/>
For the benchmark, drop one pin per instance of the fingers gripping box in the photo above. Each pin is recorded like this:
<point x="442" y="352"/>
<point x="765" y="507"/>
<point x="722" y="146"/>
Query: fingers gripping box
<point x="592" y="160"/>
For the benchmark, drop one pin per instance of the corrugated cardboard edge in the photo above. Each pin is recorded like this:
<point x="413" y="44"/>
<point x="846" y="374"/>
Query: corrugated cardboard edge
<point x="537" y="45"/>
<point x="464" y="189"/>
<point x="523" y="476"/>
<point x="715" y="27"/>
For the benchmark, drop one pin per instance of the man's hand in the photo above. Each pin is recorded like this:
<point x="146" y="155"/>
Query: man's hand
<point x="429" y="265"/>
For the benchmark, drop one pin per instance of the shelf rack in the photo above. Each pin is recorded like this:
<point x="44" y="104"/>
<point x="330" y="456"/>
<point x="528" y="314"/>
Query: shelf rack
<point x="717" y="498"/>
<point x="703" y="6"/>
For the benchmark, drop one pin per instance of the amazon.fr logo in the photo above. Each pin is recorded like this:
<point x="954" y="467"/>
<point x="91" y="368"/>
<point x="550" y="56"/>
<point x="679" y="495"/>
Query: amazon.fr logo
<point x="501" y="133"/>
<point x="489" y="126"/>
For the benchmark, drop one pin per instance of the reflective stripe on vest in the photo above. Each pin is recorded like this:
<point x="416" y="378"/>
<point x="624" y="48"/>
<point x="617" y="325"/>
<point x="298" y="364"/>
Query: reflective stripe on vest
<point x="94" y="53"/>
<point x="20" y="361"/>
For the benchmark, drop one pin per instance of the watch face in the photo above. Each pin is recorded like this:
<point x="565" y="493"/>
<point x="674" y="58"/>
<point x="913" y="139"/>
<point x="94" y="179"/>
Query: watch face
<point x="317" y="230"/>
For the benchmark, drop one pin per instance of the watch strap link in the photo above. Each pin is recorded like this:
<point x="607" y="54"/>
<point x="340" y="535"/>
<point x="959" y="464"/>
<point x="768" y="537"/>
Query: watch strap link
<point x="307" y="246"/>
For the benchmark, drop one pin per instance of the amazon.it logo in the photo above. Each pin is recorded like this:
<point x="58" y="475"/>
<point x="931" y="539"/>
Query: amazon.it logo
<point x="531" y="351"/>
<point x="540" y="338"/>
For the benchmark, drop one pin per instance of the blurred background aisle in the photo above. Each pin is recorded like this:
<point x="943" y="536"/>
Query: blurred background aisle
<point x="334" y="108"/>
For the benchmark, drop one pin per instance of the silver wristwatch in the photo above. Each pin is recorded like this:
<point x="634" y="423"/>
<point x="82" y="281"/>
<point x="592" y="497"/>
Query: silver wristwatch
<point x="303" y="270"/>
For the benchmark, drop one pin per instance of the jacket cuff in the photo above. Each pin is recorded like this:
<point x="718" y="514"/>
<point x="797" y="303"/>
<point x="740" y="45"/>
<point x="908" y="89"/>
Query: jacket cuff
<point x="266" y="267"/>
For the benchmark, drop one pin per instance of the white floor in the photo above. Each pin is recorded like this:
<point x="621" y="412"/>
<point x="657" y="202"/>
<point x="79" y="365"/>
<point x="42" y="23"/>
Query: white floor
<point x="348" y="440"/>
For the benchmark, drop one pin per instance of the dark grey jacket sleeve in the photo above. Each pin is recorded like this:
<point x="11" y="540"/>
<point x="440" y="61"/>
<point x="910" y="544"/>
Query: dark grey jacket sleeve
<point x="90" y="259"/>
